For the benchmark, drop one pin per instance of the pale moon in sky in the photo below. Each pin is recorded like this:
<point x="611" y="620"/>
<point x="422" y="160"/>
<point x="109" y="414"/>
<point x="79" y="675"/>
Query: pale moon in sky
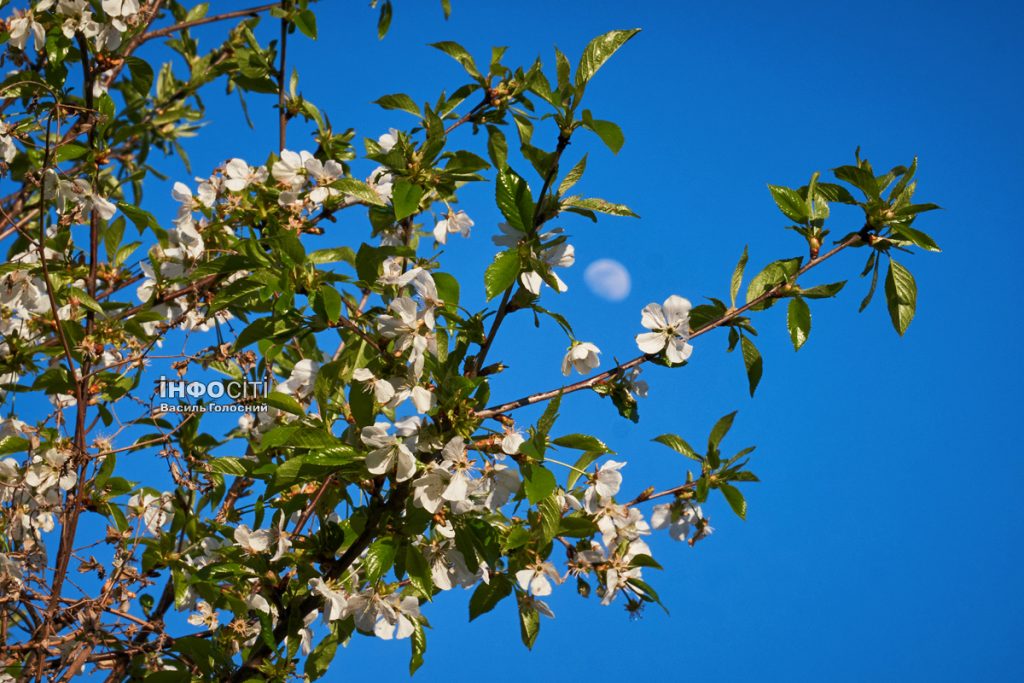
<point x="608" y="279"/>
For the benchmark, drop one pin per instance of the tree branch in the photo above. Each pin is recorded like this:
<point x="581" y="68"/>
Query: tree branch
<point x="639" y="360"/>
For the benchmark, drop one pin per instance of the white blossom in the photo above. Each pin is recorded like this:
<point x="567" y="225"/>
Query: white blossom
<point x="388" y="140"/>
<point x="155" y="511"/>
<point x="23" y="26"/>
<point x="250" y="541"/>
<point x="581" y="355"/>
<point x="670" y="329"/>
<point x="51" y="469"/>
<point x="300" y="382"/>
<point x="324" y="174"/>
<point x="458" y="222"/>
<point x="204" y="616"/>
<point x="604" y="484"/>
<point x="290" y="170"/>
<point x="390" y="452"/>
<point x="383" y="390"/>
<point x="682" y="519"/>
<point x="537" y="578"/>
<point x="239" y="175"/>
<point x="335" y="603"/>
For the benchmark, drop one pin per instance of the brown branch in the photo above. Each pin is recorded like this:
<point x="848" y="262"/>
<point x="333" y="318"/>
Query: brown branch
<point x="730" y="315"/>
<point x="185" y="25"/>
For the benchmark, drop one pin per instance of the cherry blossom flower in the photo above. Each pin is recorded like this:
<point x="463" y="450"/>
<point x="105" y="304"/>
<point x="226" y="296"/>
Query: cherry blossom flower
<point x="427" y="490"/>
<point x="204" y="615"/>
<point x="581" y="355"/>
<point x="290" y="170"/>
<point x="255" y="542"/>
<point x="239" y="175"/>
<point x="335" y="603"/>
<point x="388" y="140"/>
<point x="324" y="174"/>
<point x="121" y="8"/>
<point x="682" y="519"/>
<point x="381" y="180"/>
<point x="155" y="511"/>
<point x="23" y="26"/>
<point x="670" y="329"/>
<point x="604" y="484"/>
<point x="300" y="382"/>
<point x="511" y="442"/>
<point x="559" y="256"/>
<point x="458" y="222"/>
<point x="383" y="390"/>
<point x="537" y="578"/>
<point x="51" y="469"/>
<point x="390" y="452"/>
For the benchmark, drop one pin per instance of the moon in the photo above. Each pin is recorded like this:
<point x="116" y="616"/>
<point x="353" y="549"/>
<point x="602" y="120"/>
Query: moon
<point x="608" y="279"/>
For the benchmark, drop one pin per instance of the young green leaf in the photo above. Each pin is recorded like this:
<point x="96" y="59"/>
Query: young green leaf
<point x="737" y="277"/>
<point x="501" y="274"/>
<point x="753" y="363"/>
<point x="679" y="445"/>
<point x="735" y="499"/>
<point x="598" y="51"/>
<point x="798" y="320"/>
<point x="901" y="296"/>
<point x="790" y="203"/>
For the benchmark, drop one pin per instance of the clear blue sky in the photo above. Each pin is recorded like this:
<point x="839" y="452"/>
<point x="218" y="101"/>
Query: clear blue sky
<point x="883" y="541"/>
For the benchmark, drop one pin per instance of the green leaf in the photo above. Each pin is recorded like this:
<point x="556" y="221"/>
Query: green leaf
<point x="418" y="569"/>
<point x="901" y="296"/>
<point x="384" y="20"/>
<point x="798" y="320"/>
<point x="609" y="132"/>
<point x="790" y="203"/>
<point x="752" y="361"/>
<point x="774" y="274"/>
<point x="735" y="499"/>
<point x="399" y="101"/>
<point x="737" y="277"/>
<point x="447" y="288"/>
<point x="823" y="291"/>
<point x="916" y="236"/>
<point x="598" y="51"/>
<point x="406" y="199"/>
<point x="321" y="657"/>
<point x="488" y="595"/>
<point x="359" y="190"/>
<point x="497" y="147"/>
<point x="305" y="21"/>
<point x="679" y="445"/>
<point x="285" y="402"/>
<point x="501" y="274"/>
<point x="529" y="622"/>
<point x="380" y="556"/>
<point x="720" y="429"/>
<point x="461" y="55"/>
<point x="580" y="466"/>
<point x="418" y="643"/>
<point x="573" y="176"/>
<point x="599" y="205"/>
<point x="224" y="465"/>
<point x="538" y="482"/>
<point x="582" y="442"/>
<point x="550" y="518"/>
<point x="514" y="199"/>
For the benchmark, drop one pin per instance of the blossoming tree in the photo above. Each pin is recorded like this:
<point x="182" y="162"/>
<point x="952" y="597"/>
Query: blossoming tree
<point x="377" y="471"/>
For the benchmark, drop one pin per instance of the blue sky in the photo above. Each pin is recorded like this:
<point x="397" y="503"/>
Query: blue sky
<point x="882" y="541"/>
